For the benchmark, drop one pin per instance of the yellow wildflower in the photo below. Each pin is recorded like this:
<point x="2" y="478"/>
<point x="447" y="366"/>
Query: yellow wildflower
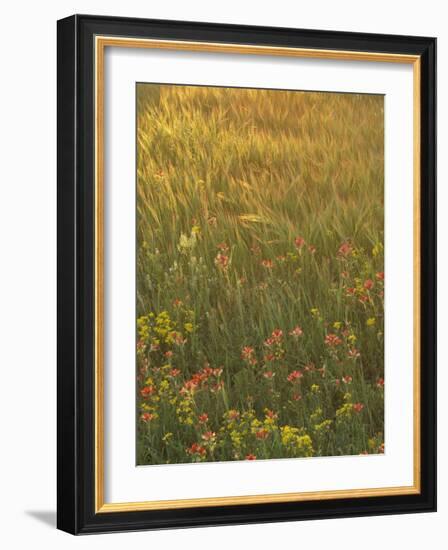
<point x="323" y="426"/>
<point x="345" y="411"/>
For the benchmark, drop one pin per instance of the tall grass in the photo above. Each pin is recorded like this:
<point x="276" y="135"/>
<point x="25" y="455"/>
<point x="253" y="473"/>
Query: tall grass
<point x="259" y="274"/>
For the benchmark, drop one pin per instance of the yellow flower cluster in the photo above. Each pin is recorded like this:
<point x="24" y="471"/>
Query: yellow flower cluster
<point x="377" y="249"/>
<point x="323" y="426"/>
<point x="185" y="412"/>
<point x="345" y="411"/>
<point x="155" y="329"/>
<point x="163" y="325"/>
<point x="298" y="442"/>
<point x="316" y="415"/>
<point x="245" y="431"/>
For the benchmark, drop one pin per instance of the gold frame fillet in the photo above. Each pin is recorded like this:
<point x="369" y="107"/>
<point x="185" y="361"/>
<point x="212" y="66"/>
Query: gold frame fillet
<point x="101" y="42"/>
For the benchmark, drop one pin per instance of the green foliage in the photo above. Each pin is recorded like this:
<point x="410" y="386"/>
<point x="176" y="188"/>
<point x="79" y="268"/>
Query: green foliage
<point x="259" y="274"/>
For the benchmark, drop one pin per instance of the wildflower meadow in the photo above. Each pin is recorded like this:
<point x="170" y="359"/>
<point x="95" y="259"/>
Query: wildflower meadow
<point x="260" y="274"/>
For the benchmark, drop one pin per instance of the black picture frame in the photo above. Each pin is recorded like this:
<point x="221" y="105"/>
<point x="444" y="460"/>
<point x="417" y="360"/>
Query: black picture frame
<point x="76" y="253"/>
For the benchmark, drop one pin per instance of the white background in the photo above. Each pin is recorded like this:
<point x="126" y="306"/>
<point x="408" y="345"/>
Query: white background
<point x="123" y="481"/>
<point x="28" y="272"/>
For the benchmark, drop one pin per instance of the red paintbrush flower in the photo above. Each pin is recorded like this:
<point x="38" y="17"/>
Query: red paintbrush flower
<point x="299" y="242"/>
<point x="332" y="340"/>
<point x="294" y="376"/>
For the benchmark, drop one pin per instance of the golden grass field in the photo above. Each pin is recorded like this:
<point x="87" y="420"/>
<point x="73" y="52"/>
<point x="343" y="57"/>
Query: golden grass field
<point x="260" y="277"/>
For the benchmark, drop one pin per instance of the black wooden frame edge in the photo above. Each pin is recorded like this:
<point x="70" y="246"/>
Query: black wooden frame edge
<point x="67" y="412"/>
<point x="75" y="172"/>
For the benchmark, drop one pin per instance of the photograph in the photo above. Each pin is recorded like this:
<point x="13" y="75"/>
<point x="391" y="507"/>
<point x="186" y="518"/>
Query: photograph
<point x="246" y="269"/>
<point x="260" y="274"/>
<point x="223" y="237"/>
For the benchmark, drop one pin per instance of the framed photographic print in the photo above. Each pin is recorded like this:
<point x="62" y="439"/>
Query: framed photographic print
<point x="246" y="274"/>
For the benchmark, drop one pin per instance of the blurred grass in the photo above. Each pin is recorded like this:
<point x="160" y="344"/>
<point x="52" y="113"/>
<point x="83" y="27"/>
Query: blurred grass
<point x="252" y="170"/>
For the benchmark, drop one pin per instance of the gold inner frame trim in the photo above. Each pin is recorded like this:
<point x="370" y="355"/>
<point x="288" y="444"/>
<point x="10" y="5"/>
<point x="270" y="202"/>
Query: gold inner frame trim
<point x="101" y="42"/>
